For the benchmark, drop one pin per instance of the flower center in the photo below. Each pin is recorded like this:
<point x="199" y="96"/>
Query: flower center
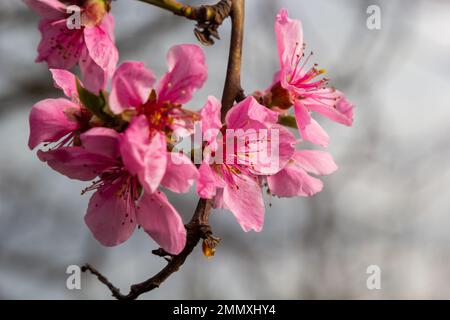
<point x="301" y="77"/>
<point x="279" y="97"/>
<point x="166" y="116"/>
<point x="238" y="152"/>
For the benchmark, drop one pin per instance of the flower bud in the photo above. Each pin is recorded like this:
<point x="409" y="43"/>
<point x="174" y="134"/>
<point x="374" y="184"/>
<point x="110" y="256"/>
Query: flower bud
<point x="94" y="11"/>
<point x="208" y="250"/>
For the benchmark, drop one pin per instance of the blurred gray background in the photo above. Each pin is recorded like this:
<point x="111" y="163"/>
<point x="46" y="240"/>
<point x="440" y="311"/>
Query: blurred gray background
<point x="388" y="205"/>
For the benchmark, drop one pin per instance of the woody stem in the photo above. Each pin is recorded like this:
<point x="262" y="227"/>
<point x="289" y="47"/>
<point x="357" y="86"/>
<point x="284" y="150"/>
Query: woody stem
<point x="232" y="89"/>
<point x="200" y="13"/>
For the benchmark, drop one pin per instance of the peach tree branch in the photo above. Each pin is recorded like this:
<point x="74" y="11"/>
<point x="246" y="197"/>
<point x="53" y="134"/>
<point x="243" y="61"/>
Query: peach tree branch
<point x="198" y="228"/>
<point x="208" y="17"/>
<point x="232" y="90"/>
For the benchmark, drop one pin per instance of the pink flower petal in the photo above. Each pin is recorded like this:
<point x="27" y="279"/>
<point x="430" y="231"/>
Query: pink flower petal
<point x="242" y="114"/>
<point x="211" y="115"/>
<point x="345" y="108"/>
<point x="111" y="219"/>
<point x="272" y="153"/>
<point x="66" y="81"/>
<point x="293" y="181"/>
<point x="50" y="120"/>
<point x="309" y="129"/>
<point x="131" y="86"/>
<point x="314" y="133"/>
<point x="76" y="162"/>
<point x="218" y="200"/>
<point x="162" y="222"/>
<point x="287" y="143"/>
<point x="102" y="141"/>
<point x="333" y="105"/>
<point x="48" y="9"/>
<point x="95" y="78"/>
<point x="315" y="161"/>
<point x="60" y="47"/>
<point x="207" y="182"/>
<point x="155" y="161"/>
<point x="134" y="144"/>
<point x="101" y="49"/>
<point x="245" y="201"/>
<point x="107" y="25"/>
<point x="187" y="73"/>
<point x="143" y="155"/>
<point x="289" y="35"/>
<point x="180" y="174"/>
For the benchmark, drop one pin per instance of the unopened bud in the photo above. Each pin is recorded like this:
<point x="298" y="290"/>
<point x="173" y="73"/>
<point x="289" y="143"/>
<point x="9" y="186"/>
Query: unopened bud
<point x="94" y="11"/>
<point x="209" y="245"/>
<point x="208" y="251"/>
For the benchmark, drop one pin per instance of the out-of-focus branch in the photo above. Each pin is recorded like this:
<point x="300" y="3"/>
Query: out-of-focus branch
<point x="208" y="17"/>
<point x="198" y="228"/>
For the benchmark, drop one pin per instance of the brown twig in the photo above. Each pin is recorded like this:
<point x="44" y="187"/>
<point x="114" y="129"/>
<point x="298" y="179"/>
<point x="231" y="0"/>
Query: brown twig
<point x="198" y="228"/>
<point x="233" y="89"/>
<point x="208" y="17"/>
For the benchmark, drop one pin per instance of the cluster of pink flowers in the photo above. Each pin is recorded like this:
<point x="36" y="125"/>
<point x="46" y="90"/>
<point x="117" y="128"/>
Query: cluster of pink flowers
<point x="115" y="128"/>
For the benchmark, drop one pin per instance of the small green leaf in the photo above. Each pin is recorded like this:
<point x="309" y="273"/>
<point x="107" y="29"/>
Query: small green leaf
<point x="94" y="103"/>
<point x="288" y="121"/>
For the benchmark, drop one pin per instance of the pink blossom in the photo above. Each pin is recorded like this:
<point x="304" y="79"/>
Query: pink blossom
<point x="132" y="89"/>
<point x="125" y="196"/>
<point x="144" y="153"/>
<point x="294" y="179"/>
<point x="155" y="114"/>
<point x="144" y="149"/>
<point x="54" y="119"/>
<point x="235" y="184"/>
<point x="131" y="166"/>
<point x="296" y="84"/>
<point x="91" y="46"/>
